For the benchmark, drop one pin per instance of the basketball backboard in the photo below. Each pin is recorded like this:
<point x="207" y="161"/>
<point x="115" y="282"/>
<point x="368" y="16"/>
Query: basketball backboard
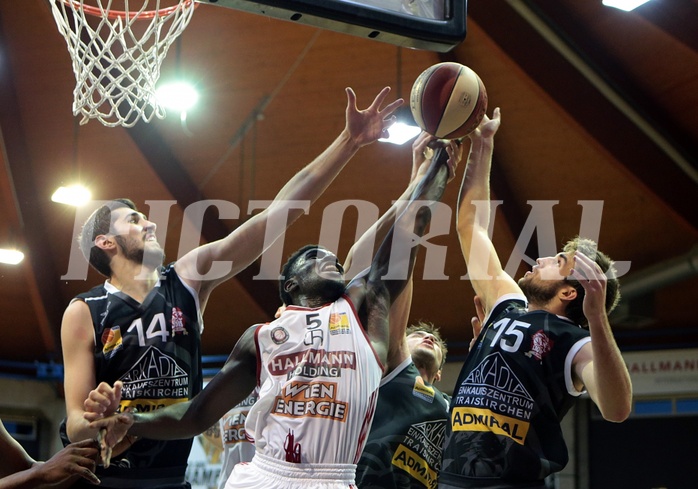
<point x="434" y="25"/>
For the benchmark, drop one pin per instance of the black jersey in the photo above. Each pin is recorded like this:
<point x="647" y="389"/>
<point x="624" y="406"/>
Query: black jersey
<point x="513" y="390"/>
<point x="154" y="349"/>
<point x="404" y="445"/>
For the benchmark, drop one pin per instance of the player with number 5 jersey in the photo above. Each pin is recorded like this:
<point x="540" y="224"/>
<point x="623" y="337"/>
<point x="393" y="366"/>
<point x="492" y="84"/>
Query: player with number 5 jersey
<point x="318" y="366"/>
<point x="319" y="378"/>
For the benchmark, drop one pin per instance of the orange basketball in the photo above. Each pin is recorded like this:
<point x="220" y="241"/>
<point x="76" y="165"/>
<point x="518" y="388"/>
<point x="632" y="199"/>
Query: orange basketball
<point x="448" y="100"/>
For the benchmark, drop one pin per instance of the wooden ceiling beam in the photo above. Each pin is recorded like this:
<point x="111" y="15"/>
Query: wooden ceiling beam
<point x="622" y="138"/>
<point x="577" y="34"/>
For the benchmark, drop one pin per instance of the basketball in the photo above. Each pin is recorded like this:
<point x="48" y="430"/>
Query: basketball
<point x="448" y="100"/>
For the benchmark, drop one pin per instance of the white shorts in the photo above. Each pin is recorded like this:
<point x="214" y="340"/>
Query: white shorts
<point x="267" y="473"/>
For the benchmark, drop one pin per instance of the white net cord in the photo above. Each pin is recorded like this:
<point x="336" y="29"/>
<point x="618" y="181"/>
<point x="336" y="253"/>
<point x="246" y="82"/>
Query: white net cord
<point x="116" y="68"/>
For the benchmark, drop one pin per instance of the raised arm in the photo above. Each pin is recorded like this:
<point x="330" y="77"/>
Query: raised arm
<point x="599" y="365"/>
<point x="231" y="385"/>
<point x="246" y="243"/>
<point x="380" y="290"/>
<point x="363" y="249"/>
<point x="472" y="222"/>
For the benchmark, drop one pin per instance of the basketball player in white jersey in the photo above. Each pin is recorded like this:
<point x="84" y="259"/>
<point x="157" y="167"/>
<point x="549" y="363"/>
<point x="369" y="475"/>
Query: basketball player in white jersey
<point x="318" y="366"/>
<point x="237" y="446"/>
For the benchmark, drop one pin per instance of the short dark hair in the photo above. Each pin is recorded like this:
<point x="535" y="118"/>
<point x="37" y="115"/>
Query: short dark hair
<point x="99" y="223"/>
<point x="589" y="248"/>
<point x="429" y="328"/>
<point x="287" y="272"/>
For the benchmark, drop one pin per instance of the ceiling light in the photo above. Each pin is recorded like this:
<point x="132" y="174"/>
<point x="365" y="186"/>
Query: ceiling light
<point x="180" y="96"/>
<point x="11" y="257"/>
<point x="75" y="195"/>
<point x="404" y="129"/>
<point x="626" y="5"/>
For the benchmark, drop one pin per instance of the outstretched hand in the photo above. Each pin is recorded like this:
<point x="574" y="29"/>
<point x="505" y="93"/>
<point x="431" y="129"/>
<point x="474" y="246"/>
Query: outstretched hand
<point x="368" y="125"/>
<point x="588" y="273"/>
<point x="423" y="153"/>
<point x="488" y="126"/>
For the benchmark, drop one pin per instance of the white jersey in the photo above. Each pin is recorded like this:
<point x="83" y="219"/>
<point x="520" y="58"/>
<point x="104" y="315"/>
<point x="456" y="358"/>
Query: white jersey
<point x="319" y="379"/>
<point x="237" y="447"/>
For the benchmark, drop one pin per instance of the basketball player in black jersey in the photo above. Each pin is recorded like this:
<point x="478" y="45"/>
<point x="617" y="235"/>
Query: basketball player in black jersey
<point x="142" y="326"/>
<point x="544" y="341"/>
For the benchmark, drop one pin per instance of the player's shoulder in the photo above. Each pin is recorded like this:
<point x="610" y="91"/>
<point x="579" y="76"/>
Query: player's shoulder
<point x="514" y="303"/>
<point x="97" y="292"/>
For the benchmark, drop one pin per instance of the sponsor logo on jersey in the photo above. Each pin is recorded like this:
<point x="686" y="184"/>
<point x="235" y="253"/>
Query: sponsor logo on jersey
<point x="112" y="341"/>
<point x="541" y="345"/>
<point x="493" y="399"/>
<point x="178" y="326"/>
<point x="422" y="390"/>
<point x="471" y="419"/>
<point x="234" y="428"/>
<point x="419" y="453"/>
<point x="416" y="466"/>
<point x="154" y="381"/>
<point x="283" y="364"/>
<point x="279" y="335"/>
<point x="339" y="323"/>
<point x="310" y="400"/>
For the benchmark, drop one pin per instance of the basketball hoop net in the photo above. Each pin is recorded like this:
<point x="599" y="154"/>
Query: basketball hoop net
<point x="116" y="62"/>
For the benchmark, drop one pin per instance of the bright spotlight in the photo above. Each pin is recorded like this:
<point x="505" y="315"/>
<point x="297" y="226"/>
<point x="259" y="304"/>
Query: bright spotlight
<point x="75" y="195"/>
<point x="11" y="257"/>
<point x="179" y="96"/>
<point x="626" y="5"/>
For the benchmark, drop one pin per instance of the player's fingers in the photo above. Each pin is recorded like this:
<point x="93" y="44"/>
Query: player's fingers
<point x="87" y="443"/>
<point x="96" y="406"/>
<point x="351" y="98"/>
<point x="420" y="144"/>
<point x="92" y="416"/>
<point x="89" y="475"/>
<point x="477" y="326"/>
<point x="378" y="101"/>
<point x="84" y="468"/>
<point x="118" y="385"/>
<point x="392" y="107"/>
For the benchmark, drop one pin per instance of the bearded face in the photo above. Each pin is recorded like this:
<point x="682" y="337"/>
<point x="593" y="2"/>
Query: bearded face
<point x="539" y="291"/>
<point x="148" y="256"/>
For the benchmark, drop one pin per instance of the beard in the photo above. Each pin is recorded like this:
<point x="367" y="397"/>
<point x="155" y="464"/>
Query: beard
<point x="149" y="258"/>
<point x="537" y="293"/>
